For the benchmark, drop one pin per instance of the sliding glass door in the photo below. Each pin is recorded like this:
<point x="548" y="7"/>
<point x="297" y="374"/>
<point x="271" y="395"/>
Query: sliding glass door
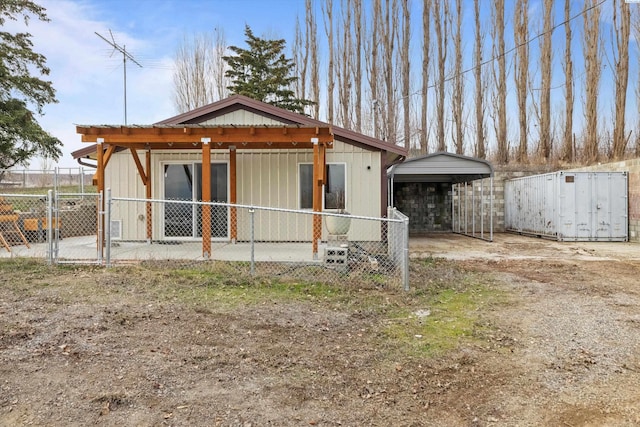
<point x="183" y="181"/>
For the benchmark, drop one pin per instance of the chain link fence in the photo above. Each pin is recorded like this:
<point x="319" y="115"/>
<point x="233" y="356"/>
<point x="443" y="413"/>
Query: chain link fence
<point x="75" y="179"/>
<point x="237" y="239"/>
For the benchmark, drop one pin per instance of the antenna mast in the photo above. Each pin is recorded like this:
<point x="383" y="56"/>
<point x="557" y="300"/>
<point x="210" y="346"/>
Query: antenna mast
<point x="125" y="55"/>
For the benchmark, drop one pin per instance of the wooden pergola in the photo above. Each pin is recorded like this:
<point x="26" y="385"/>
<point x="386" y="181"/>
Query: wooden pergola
<point x="108" y="139"/>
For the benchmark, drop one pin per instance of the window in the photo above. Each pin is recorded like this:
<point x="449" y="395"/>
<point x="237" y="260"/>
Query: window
<point x="306" y="186"/>
<point x="334" y="189"/>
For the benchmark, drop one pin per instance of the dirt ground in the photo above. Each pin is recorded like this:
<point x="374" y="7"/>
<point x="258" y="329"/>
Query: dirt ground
<point x="143" y="347"/>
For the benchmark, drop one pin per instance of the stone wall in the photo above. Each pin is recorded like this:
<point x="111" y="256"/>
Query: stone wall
<point x="427" y="204"/>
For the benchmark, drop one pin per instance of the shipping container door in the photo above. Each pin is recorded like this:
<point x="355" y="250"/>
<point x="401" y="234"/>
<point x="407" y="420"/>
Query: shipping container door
<point x="585" y="205"/>
<point x="602" y="196"/>
<point x="566" y="193"/>
<point x="610" y="213"/>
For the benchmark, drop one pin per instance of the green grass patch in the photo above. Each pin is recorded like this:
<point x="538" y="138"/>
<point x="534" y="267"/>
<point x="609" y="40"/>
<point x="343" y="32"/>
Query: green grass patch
<point x="442" y="319"/>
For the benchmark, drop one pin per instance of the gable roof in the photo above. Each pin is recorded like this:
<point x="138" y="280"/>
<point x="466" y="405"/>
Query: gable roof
<point x="240" y="102"/>
<point x="233" y="103"/>
<point x="441" y="167"/>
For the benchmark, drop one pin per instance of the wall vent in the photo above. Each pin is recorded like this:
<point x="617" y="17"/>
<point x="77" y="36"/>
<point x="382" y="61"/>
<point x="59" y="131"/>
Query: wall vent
<point x="116" y="229"/>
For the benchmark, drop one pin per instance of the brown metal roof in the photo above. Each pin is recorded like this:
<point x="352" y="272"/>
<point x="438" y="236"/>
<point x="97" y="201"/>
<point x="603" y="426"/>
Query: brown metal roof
<point x="240" y="102"/>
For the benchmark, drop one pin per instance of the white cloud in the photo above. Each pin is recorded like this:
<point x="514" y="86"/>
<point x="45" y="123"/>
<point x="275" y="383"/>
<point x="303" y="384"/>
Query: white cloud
<point x="88" y="81"/>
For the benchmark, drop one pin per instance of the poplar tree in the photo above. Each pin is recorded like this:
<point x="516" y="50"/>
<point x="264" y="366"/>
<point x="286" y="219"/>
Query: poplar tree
<point x="264" y="73"/>
<point x="23" y="91"/>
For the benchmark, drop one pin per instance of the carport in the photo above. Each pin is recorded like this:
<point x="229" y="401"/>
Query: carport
<point x="444" y="192"/>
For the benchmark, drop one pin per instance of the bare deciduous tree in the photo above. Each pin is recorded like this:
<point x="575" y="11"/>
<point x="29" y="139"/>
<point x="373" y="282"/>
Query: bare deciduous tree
<point x="359" y="29"/>
<point x="621" y="74"/>
<point x="406" y="72"/>
<point x="567" y="152"/>
<point x="521" y="75"/>
<point x="343" y="70"/>
<point x="593" y="71"/>
<point x="388" y="38"/>
<point x="458" y="83"/>
<point x="480" y="86"/>
<point x="636" y="34"/>
<point x="440" y="19"/>
<point x="300" y="51"/>
<point x="312" y="37"/>
<point x="328" y="26"/>
<point x="545" y="91"/>
<point x="499" y="112"/>
<point x="199" y="75"/>
<point x="426" y="41"/>
<point x="373" y="66"/>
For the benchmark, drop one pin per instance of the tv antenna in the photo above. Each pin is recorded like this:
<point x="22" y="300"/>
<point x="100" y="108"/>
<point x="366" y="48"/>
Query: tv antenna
<point x="125" y="55"/>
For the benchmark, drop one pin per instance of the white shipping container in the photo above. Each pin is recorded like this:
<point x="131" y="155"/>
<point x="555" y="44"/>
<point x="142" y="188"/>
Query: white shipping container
<point x="569" y="206"/>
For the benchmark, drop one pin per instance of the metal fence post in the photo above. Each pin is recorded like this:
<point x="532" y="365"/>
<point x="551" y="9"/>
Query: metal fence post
<point x="405" y="258"/>
<point x="253" y="261"/>
<point x="107" y="227"/>
<point x="100" y="226"/>
<point x="49" y="221"/>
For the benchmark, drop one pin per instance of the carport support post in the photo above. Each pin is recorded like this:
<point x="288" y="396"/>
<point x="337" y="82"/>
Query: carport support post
<point x="206" y="197"/>
<point x="491" y="208"/>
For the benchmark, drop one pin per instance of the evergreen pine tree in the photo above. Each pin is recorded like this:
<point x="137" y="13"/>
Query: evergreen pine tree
<point x="21" y="137"/>
<point x="263" y="72"/>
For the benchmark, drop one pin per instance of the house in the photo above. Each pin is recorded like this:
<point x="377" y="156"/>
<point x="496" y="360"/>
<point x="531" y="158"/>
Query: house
<point x="241" y="151"/>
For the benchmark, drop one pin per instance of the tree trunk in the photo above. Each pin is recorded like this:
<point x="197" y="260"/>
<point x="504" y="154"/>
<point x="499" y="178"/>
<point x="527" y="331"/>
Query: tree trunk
<point x="406" y="73"/>
<point x="458" y="83"/>
<point x="479" y="89"/>
<point x="426" y="40"/>
<point x="440" y="20"/>
<point x="622" y="31"/>
<point x="567" y="139"/>
<point x="593" y="70"/>
<point x="500" y="78"/>
<point x="521" y="75"/>
<point x="328" y="25"/>
<point x="545" y="90"/>
<point x="312" y="31"/>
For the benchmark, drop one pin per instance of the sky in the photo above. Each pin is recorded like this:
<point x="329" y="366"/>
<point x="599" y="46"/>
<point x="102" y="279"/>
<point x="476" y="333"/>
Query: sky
<point x="88" y="75"/>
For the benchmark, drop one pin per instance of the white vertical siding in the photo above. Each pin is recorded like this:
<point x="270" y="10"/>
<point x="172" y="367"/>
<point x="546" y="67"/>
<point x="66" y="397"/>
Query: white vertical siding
<point x="264" y="178"/>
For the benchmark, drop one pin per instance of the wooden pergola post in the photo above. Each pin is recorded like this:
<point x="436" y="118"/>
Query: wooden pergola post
<point x="233" y="197"/>
<point x="206" y="197"/>
<point x="100" y="178"/>
<point x="149" y="195"/>
<point x="319" y="170"/>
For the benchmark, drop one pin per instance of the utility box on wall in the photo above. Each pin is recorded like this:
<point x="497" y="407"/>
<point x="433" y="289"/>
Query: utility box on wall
<point x="569" y="206"/>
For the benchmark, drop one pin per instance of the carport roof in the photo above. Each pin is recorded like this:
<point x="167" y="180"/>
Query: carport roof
<point x="441" y="167"/>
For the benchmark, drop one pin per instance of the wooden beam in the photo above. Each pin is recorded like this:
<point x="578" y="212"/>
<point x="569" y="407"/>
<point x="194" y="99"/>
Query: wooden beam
<point x="225" y="134"/>
<point x="206" y="197"/>
<point x="136" y="159"/>
<point x="107" y="155"/>
<point x="100" y="166"/>
<point x="247" y="145"/>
